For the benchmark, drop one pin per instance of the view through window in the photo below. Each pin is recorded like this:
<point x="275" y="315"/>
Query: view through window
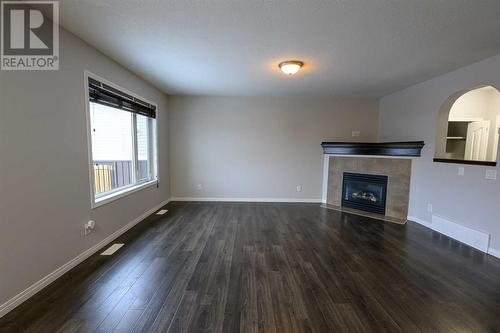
<point x="123" y="151"/>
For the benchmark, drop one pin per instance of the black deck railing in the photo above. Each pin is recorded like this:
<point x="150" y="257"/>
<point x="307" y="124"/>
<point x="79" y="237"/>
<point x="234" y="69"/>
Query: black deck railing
<point x="110" y="175"/>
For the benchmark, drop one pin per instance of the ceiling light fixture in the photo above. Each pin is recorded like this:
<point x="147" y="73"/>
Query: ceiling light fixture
<point x="290" y="67"/>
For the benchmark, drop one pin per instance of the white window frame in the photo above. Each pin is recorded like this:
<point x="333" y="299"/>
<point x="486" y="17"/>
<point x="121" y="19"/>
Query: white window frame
<point x="128" y="190"/>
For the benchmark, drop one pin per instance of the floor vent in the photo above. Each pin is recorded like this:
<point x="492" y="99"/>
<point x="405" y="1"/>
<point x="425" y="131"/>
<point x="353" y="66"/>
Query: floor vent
<point x="161" y="212"/>
<point x="112" y="249"/>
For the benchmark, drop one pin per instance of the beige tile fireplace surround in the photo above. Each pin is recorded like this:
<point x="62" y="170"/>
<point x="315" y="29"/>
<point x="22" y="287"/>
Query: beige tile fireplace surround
<point x="397" y="169"/>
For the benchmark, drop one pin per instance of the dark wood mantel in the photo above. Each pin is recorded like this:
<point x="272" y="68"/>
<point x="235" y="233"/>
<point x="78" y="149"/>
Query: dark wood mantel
<point x="410" y="148"/>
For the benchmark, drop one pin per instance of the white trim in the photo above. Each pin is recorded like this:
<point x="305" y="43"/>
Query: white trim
<point x="494" y="253"/>
<point x="420" y="221"/>
<point x="135" y="187"/>
<point x="474" y="238"/>
<point x="121" y="193"/>
<point x="38" y="286"/>
<point x="477" y="239"/>
<point x="299" y="200"/>
<point x="326" y="169"/>
<point x="135" y="151"/>
<point x="86" y="76"/>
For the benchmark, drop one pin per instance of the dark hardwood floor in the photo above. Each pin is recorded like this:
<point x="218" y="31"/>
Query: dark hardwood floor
<point x="271" y="267"/>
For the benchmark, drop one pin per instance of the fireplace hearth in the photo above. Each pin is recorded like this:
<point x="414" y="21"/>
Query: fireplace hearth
<point x="365" y="192"/>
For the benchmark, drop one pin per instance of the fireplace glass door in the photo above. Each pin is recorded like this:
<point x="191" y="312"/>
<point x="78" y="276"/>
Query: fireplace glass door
<point x="365" y="192"/>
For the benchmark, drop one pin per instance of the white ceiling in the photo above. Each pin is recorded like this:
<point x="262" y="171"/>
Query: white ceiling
<point x="232" y="47"/>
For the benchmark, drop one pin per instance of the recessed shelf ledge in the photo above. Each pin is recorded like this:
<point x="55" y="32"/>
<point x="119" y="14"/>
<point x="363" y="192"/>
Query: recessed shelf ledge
<point x="469" y="162"/>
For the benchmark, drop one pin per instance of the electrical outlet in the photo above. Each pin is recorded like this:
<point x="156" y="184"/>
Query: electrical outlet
<point x="429" y="208"/>
<point x="491" y="174"/>
<point x="355" y="134"/>
<point x="88" y="227"/>
<point x="461" y="171"/>
<point x="199" y="186"/>
<point x="299" y="188"/>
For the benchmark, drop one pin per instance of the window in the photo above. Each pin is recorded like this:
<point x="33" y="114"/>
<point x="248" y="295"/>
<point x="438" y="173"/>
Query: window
<point x="122" y="142"/>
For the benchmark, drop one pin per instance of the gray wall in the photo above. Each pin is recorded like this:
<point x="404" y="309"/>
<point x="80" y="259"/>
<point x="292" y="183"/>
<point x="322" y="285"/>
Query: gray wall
<point x="411" y="114"/>
<point x="259" y="147"/>
<point x="44" y="175"/>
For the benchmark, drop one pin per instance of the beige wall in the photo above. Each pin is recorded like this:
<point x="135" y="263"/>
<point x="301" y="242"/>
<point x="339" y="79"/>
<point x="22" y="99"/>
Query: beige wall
<point x="411" y="114"/>
<point x="475" y="103"/>
<point x="259" y="147"/>
<point x="44" y="174"/>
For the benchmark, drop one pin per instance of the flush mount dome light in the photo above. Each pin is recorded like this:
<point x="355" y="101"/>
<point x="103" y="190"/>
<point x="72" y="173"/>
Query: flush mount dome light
<point x="290" y="67"/>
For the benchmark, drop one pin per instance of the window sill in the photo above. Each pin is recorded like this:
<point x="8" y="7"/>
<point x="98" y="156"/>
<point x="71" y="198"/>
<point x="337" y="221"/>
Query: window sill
<point x="469" y="162"/>
<point x="120" y="194"/>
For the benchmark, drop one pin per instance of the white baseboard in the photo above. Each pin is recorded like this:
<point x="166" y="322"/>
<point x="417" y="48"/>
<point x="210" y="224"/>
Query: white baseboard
<point x="38" y="286"/>
<point x="420" y="221"/>
<point x="246" y="199"/>
<point x="474" y="238"/>
<point x="494" y="253"/>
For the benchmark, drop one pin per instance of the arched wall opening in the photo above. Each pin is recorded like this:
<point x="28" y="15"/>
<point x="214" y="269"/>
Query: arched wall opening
<point x="468" y="126"/>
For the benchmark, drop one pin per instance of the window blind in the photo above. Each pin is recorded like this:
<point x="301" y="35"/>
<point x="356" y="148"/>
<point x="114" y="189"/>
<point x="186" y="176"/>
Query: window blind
<point x="101" y="93"/>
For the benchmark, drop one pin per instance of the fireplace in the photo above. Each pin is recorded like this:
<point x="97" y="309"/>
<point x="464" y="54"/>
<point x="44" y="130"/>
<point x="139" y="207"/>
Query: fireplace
<point x="365" y="192"/>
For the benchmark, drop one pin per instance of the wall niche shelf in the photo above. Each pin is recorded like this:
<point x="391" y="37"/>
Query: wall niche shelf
<point x="469" y="162"/>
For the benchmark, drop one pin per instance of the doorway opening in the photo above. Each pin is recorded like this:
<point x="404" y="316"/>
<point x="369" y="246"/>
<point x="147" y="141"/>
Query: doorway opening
<point x="468" y="126"/>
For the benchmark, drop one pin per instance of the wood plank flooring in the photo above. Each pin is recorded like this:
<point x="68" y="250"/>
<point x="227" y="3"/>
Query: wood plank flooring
<point x="271" y="267"/>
